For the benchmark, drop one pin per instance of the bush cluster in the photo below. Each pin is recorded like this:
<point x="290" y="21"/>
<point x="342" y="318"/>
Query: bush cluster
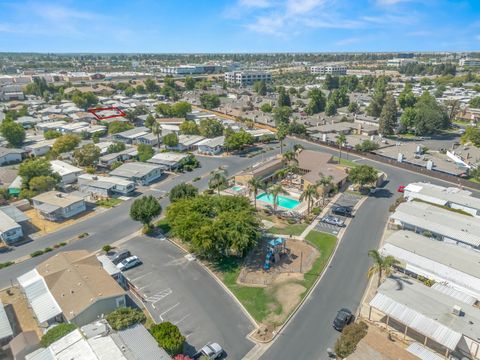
<point x="124" y="317"/>
<point x="351" y="336"/>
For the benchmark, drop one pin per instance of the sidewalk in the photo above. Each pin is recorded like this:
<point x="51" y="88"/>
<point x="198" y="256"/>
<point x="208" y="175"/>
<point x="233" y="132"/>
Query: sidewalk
<point x="315" y="222"/>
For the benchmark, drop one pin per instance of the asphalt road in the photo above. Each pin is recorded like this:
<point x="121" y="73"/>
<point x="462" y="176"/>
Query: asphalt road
<point x="310" y="331"/>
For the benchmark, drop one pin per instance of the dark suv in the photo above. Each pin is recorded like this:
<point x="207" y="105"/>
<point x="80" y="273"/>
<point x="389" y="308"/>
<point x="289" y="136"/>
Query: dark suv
<point x="342" y="210"/>
<point x="120" y="256"/>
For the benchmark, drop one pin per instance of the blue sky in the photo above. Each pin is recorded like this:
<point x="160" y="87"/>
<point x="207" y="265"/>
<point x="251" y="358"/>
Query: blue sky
<point x="239" y="25"/>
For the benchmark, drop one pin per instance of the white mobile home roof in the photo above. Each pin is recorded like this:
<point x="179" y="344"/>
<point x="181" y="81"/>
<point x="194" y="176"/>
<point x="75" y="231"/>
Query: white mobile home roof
<point x="39" y="297"/>
<point x="63" y="168"/>
<point x="7" y="223"/>
<point x="456" y="226"/>
<point x="5" y="327"/>
<point x="213" y="142"/>
<point x="189" y="140"/>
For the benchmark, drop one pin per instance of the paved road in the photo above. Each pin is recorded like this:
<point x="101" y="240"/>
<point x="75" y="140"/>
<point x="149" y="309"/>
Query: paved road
<point x="310" y="332"/>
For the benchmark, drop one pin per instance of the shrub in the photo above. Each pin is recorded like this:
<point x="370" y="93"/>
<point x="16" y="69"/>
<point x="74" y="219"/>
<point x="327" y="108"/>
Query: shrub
<point x="196" y="179"/>
<point x="36" y="253"/>
<point x="316" y="211"/>
<point x="106" y="248"/>
<point x="56" y="333"/>
<point x="168" y="336"/>
<point x="47" y="249"/>
<point x="351" y="336"/>
<point x="125" y="317"/>
<point x="82" y="235"/>
<point x="6" y="264"/>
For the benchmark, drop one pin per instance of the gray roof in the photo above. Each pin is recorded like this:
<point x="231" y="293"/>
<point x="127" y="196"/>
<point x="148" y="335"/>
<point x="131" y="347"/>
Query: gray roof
<point x="447" y="223"/>
<point x="5" y="327"/>
<point x="427" y="311"/>
<point x="142" y="344"/>
<point x="133" y="132"/>
<point x="213" y="142"/>
<point x="14" y="213"/>
<point x="6" y="151"/>
<point x="47" y="208"/>
<point x="7" y="223"/>
<point x="134" y="169"/>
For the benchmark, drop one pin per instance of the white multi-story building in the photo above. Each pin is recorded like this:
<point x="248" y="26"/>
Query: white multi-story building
<point x="190" y="69"/>
<point x="469" y="62"/>
<point x="400" y="62"/>
<point x="247" y="77"/>
<point x="329" y="70"/>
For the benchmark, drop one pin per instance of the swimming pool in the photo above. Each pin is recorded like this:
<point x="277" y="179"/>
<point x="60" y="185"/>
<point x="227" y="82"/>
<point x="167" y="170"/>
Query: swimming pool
<point x="237" y="188"/>
<point x="282" y="201"/>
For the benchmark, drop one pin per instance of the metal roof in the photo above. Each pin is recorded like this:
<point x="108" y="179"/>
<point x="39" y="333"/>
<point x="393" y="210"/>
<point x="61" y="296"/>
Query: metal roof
<point x="452" y="292"/>
<point x="142" y="344"/>
<point x="7" y="223"/>
<point x="39" y="297"/>
<point x="14" y="213"/>
<point x="5" y="327"/>
<point x="423" y="353"/>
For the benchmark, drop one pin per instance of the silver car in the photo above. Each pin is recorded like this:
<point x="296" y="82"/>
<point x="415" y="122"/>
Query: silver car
<point x="129" y="263"/>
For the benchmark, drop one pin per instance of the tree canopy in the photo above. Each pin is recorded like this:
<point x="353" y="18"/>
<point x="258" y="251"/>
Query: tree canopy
<point x="145" y="209"/>
<point x="363" y="175"/>
<point x="238" y="140"/>
<point x="388" y="117"/>
<point x="119" y="126"/>
<point x="12" y="132"/>
<point x="65" y="143"/>
<point x="145" y="152"/>
<point x="170" y="140"/>
<point x="87" y="155"/>
<point x="189" y="127"/>
<point x="182" y="191"/>
<point x="168" y="337"/>
<point x="209" y="101"/>
<point x="210" y="128"/>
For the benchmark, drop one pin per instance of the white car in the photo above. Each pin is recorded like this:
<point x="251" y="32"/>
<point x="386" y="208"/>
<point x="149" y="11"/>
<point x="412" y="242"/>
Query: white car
<point x="211" y="351"/>
<point x="129" y="263"/>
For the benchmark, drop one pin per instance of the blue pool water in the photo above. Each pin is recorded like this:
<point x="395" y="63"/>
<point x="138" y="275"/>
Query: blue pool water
<point x="282" y="201"/>
<point x="237" y="188"/>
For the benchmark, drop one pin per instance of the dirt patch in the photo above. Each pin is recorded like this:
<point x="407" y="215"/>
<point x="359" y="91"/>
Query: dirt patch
<point x="288" y="295"/>
<point x="39" y="226"/>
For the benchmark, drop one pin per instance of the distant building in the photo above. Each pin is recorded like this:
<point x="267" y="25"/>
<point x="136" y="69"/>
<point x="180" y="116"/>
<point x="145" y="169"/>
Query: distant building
<point x="246" y="77"/>
<point x="400" y="62"/>
<point x="469" y="62"/>
<point x="329" y="70"/>
<point x="190" y="69"/>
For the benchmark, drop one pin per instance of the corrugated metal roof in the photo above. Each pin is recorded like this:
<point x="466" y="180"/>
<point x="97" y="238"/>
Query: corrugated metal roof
<point x="5" y="327"/>
<point x="413" y="319"/>
<point x="142" y="344"/>
<point x="41" y="354"/>
<point x="39" y="297"/>
<point x="454" y="293"/>
<point x="423" y="353"/>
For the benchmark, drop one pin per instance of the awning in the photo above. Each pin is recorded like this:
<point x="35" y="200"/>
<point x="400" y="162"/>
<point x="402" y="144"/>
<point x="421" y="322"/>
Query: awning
<point x="47" y="208"/>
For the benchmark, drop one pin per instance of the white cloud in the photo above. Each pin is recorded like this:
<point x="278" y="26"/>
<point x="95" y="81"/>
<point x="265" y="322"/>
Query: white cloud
<point x="296" y="7"/>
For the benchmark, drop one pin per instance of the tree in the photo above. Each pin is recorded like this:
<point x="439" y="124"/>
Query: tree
<point x="150" y="121"/>
<point x="56" y="333"/>
<point x="388" y="117"/>
<point x="238" y="140"/>
<point x="430" y="117"/>
<point x="209" y="101"/>
<point x="168" y="337"/>
<point x="182" y="191"/>
<point x="145" y="152"/>
<point x="353" y="107"/>
<point x="266" y="108"/>
<point x="119" y="126"/>
<point x="125" y="317"/>
<point x="378" y="99"/>
<point x="140" y="89"/>
<point x="471" y="135"/>
<point x="116" y="147"/>
<point x="189" y="127"/>
<point x="210" y="128"/>
<point x="366" y="146"/>
<point x="14" y="133"/>
<point x="283" y="98"/>
<point x="309" y="194"/>
<point x="281" y="115"/>
<point x="341" y="139"/>
<point x="296" y="128"/>
<point x="330" y="109"/>
<point x="351" y="335"/>
<point x="282" y="132"/>
<point x="65" y="143"/>
<point x="32" y="168"/>
<point x="189" y="163"/>
<point x="325" y="182"/>
<point x="452" y="107"/>
<point x="408" y="119"/>
<point x="157" y="131"/>
<point x="87" y="155"/>
<point x="407" y="99"/>
<point x="145" y="210"/>
<point x="181" y="109"/>
<point x="254" y="185"/>
<point x="51" y="134"/>
<point x="151" y="86"/>
<point x="129" y="91"/>
<point x="475" y="102"/>
<point x="170" y="140"/>
<point x="189" y="83"/>
<point x="276" y="191"/>
<point x="260" y="87"/>
<point x="363" y="175"/>
<point x="40" y="184"/>
<point x="381" y="265"/>
<point x="290" y="157"/>
<point x="331" y="82"/>
<point x="84" y="100"/>
<point x="317" y="102"/>
<point x="218" y="181"/>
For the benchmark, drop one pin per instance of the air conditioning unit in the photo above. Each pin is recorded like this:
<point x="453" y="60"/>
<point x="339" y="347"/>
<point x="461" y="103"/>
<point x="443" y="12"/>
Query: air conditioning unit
<point x="457" y="310"/>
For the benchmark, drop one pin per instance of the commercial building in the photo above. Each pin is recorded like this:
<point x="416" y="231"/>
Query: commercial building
<point x="57" y="206"/>
<point x="140" y="173"/>
<point x="71" y="286"/>
<point x="190" y="69"/>
<point x="469" y="62"/>
<point x="451" y="197"/>
<point x="448" y="264"/>
<point x="247" y="77"/>
<point x="400" y="62"/>
<point x="440" y="224"/>
<point x="329" y="70"/>
<point x="426" y="315"/>
<point x="105" y="186"/>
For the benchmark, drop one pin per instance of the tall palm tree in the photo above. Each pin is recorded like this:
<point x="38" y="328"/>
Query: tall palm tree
<point x="275" y="191"/>
<point x="340" y="141"/>
<point x="309" y="194"/>
<point x="325" y="182"/>
<point x="255" y="184"/>
<point x="290" y="156"/>
<point x="218" y="180"/>
<point x="157" y="130"/>
<point x="381" y="265"/>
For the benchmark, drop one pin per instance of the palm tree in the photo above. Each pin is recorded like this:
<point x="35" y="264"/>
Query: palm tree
<point x="381" y="265"/>
<point x="217" y="181"/>
<point x="297" y="148"/>
<point x="157" y="130"/>
<point x="324" y="182"/>
<point x="309" y="194"/>
<point x="290" y="156"/>
<point x="255" y="184"/>
<point x="275" y="191"/>
<point x="340" y="141"/>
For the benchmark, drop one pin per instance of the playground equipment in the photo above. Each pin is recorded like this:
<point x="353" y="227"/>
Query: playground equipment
<point x="276" y="248"/>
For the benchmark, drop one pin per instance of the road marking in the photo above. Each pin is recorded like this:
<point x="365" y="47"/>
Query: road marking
<point x="139" y="277"/>
<point x="181" y="319"/>
<point x="159" y="296"/>
<point x="170" y="308"/>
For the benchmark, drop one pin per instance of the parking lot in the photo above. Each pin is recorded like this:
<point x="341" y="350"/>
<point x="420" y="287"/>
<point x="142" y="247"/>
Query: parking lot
<point x="347" y="200"/>
<point x="181" y="291"/>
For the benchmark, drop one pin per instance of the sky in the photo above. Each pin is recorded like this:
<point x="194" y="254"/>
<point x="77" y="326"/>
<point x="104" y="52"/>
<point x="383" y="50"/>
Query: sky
<point x="192" y="26"/>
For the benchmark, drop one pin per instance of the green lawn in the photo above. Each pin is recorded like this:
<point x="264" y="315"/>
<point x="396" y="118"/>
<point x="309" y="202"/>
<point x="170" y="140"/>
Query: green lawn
<point x="109" y="203"/>
<point x="293" y="229"/>
<point x="345" y="162"/>
<point x="258" y="301"/>
<point x="325" y="243"/>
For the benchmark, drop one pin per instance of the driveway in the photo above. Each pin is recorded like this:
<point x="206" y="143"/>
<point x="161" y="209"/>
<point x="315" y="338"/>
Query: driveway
<point x="181" y="291"/>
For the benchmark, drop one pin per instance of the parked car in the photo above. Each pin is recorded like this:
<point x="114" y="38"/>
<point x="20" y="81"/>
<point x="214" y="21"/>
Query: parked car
<point x="129" y="263"/>
<point x="333" y="220"/>
<point x="401" y="188"/>
<point x="120" y="256"/>
<point x="342" y="210"/>
<point x="211" y="351"/>
<point x="343" y="318"/>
